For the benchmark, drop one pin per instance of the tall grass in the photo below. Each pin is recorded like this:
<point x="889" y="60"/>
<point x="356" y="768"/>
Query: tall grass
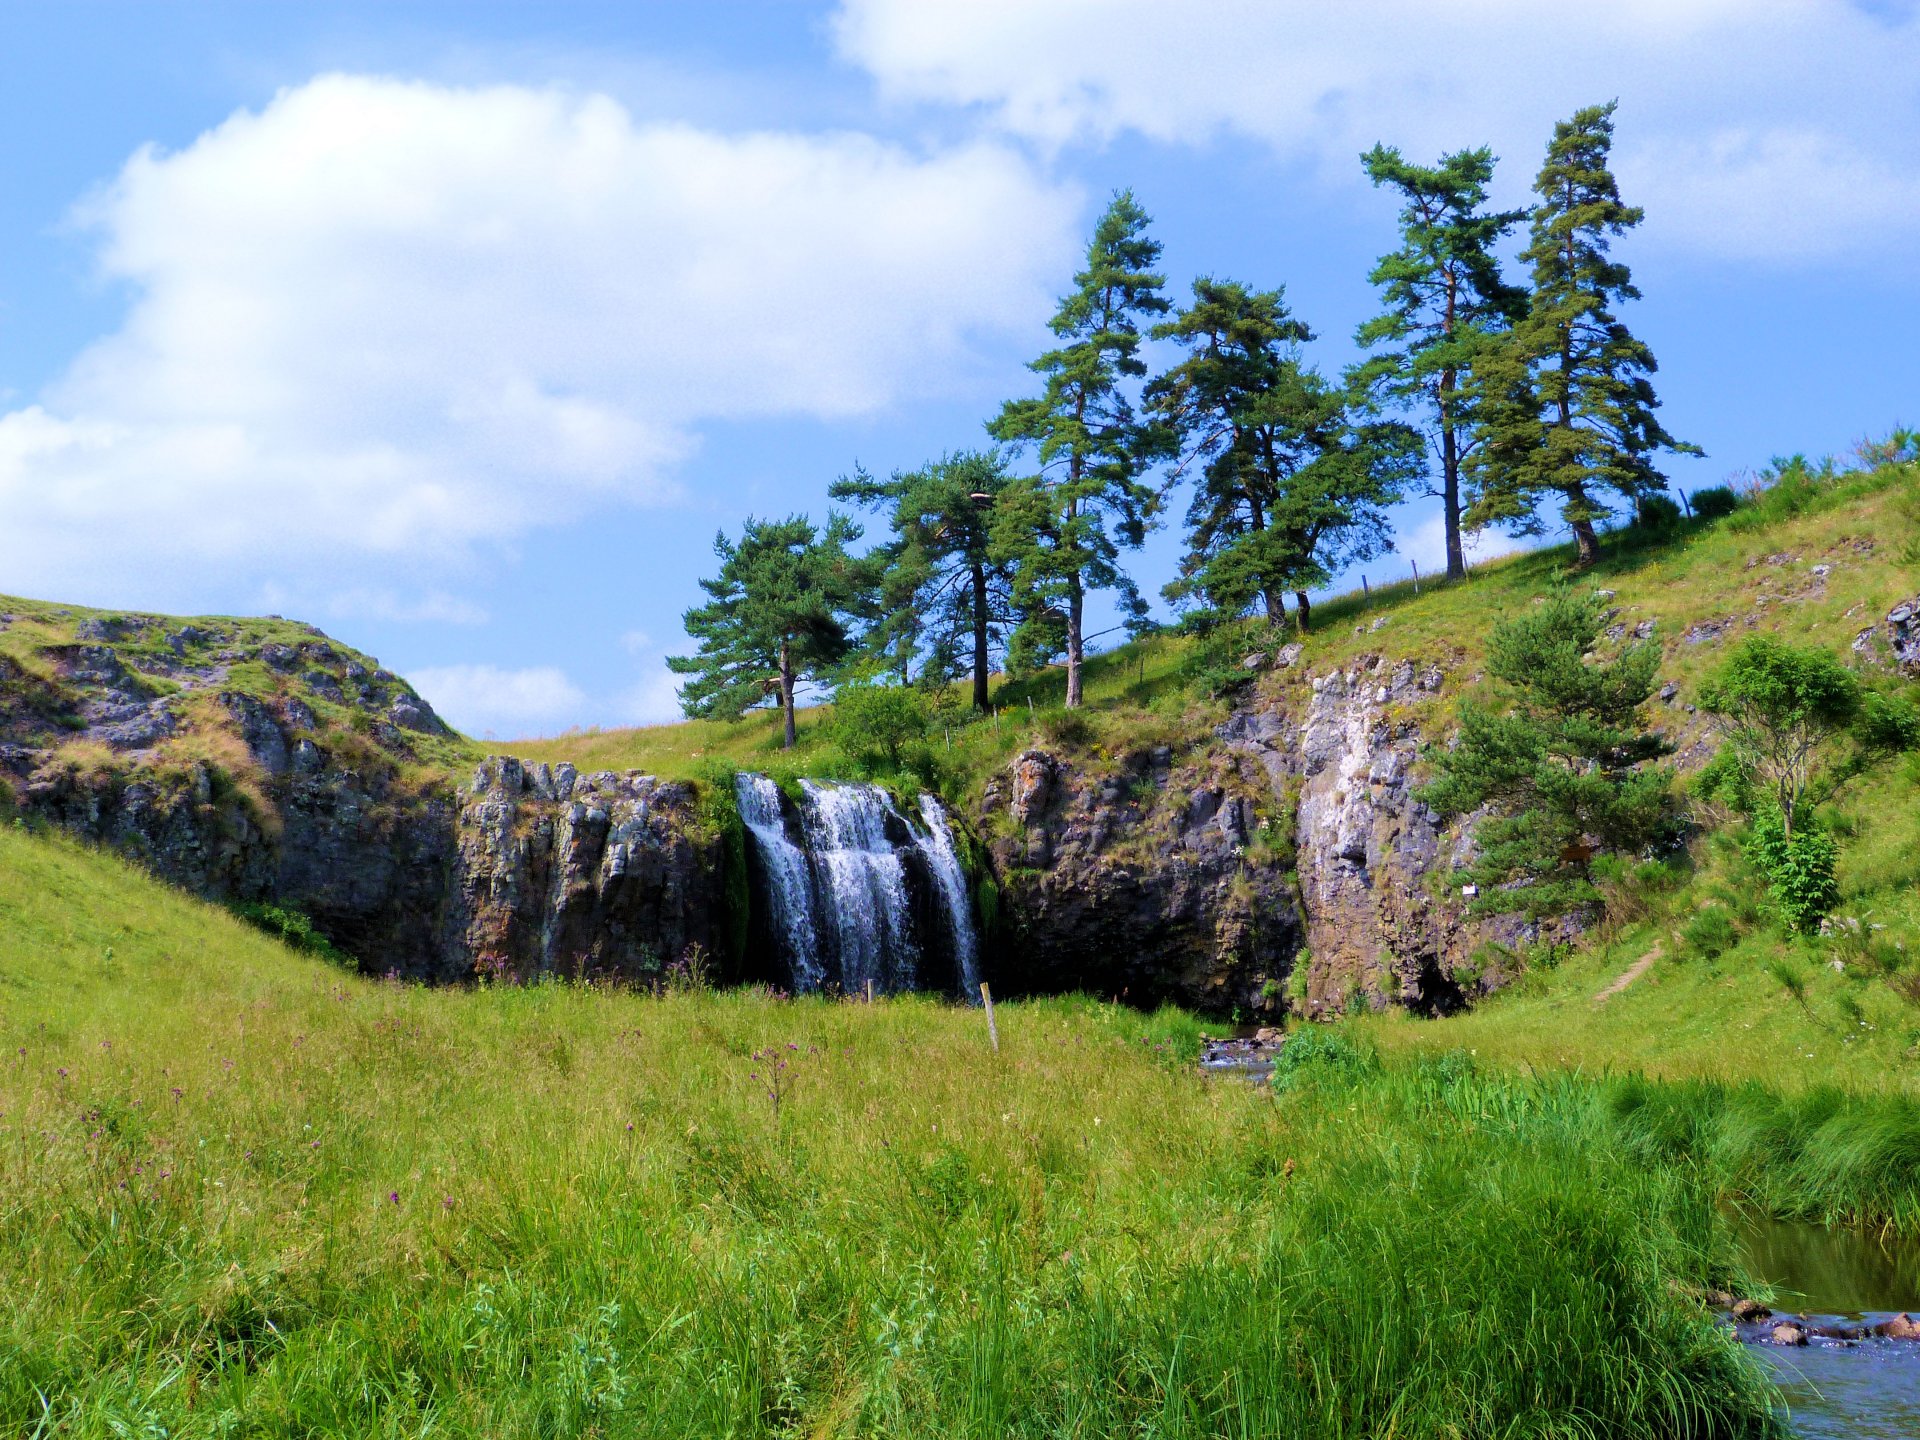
<point x="245" y="1194"/>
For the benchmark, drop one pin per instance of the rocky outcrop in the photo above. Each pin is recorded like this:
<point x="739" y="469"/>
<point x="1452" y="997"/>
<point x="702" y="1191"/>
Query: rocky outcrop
<point x="1895" y="640"/>
<point x="584" y="874"/>
<point x="1134" y="880"/>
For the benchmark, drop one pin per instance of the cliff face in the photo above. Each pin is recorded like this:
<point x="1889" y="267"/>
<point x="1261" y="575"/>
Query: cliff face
<point x="1133" y="881"/>
<point x="584" y="874"/>
<point x="1283" y="863"/>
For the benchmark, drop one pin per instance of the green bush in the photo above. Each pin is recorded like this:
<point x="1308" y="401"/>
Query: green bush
<point x="879" y="725"/>
<point x="1799" y="868"/>
<point x="1710" y="933"/>
<point x="294" y="929"/>
<point x="1714" y="502"/>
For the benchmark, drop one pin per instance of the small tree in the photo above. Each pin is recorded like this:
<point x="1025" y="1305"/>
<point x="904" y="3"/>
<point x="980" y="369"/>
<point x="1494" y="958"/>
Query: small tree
<point x="1445" y="301"/>
<point x="1780" y="707"/>
<point x="783" y="610"/>
<point x="947" y="600"/>
<point x="1565" y="762"/>
<point x="1563" y="403"/>
<point x="1063" y="531"/>
<point x="876" y="724"/>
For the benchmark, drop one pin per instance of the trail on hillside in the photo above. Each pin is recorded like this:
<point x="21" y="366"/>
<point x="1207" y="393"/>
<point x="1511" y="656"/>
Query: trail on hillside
<point x="1632" y="973"/>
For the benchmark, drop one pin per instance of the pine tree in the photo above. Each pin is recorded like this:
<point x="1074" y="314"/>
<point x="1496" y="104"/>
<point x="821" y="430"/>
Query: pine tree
<point x="1565" y="404"/>
<point x="1445" y="299"/>
<point x="1565" y="763"/>
<point x="784" y="609"/>
<point x="1290" y="485"/>
<point x="946" y="599"/>
<point x="1063" y="530"/>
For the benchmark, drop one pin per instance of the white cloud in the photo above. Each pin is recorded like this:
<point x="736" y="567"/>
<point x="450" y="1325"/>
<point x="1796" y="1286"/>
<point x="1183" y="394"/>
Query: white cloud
<point x="489" y="700"/>
<point x="653" y="700"/>
<point x="381" y="326"/>
<point x="1783" y="130"/>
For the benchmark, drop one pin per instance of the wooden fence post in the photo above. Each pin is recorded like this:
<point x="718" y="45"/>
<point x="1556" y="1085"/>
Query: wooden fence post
<point x="993" y="1031"/>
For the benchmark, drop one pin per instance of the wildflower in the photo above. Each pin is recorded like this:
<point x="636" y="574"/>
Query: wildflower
<point x="63" y="1072"/>
<point x="629" y="1127"/>
<point x="394" y="1196"/>
<point x="446" y="1201"/>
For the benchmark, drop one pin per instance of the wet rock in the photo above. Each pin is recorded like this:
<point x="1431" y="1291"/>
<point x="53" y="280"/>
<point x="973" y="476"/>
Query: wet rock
<point x="1900" y="1327"/>
<point x="1750" y="1310"/>
<point x="1787" y="1334"/>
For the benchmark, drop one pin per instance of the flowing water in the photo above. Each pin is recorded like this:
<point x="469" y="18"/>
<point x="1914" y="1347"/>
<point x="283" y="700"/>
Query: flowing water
<point x="854" y="894"/>
<point x="1840" y="1279"/>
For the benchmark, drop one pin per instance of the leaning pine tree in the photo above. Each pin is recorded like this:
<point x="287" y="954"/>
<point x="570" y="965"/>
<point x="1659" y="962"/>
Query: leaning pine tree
<point x="1445" y="304"/>
<point x="1564" y="405"/>
<point x="1565" y="762"/>
<point x="782" y="611"/>
<point x="1062" y="532"/>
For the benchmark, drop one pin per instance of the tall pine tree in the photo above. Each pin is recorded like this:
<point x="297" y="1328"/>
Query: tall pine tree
<point x="1445" y="299"/>
<point x="1565" y="406"/>
<point x="1289" y="484"/>
<point x="946" y="599"/>
<point x="1062" y="531"/>
<point x="784" y="608"/>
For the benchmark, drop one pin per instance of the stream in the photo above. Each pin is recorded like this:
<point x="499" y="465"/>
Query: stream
<point x="1840" y="1279"/>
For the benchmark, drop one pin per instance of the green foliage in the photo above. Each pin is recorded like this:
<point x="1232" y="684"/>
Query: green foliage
<point x="1716" y="502"/>
<point x="1887" y="724"/>
<point x="1800" y="866"/>
<point x="879" y="725"/>
<point x="719" y="809"/>
<point x="293" y="928"/>
<point x="1061" y="532"/>
<point x="782" y="611"/>
<point x="1566" y="763"/>
<point x="946" y="599"/>
<point x="1565" y="405"/>
<point x="1445" y="301"/>
<point x="1780" y="706"/>
<point x="1292" y="484"/>
<point x="1321" y="1055"/>
<point x="1710" y="932"/>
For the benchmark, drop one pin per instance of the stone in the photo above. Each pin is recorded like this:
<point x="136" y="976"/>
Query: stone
<point x="409" y="712"/>
<point x="1288" y="655"/>
<point x="1787" y="1334"/>
<point x="1668" y="691"/>
<point x="1750" y="1310"/>
<point x="1900" y="1327"/>
<point x="1255" y="661"/>
<point x="1033" y="774"/>
<point x="279" y="657"/>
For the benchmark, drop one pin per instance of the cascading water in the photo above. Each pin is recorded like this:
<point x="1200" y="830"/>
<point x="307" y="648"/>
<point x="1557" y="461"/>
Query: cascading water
<point x="937" y="845"/>
<point x="866" y="896"/>
<point x="862" y="885"/>
<point x="786" y="878"/>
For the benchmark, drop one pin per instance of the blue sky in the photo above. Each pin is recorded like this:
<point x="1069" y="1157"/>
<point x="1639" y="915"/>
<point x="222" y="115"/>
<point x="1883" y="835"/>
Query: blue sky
<point x="459" y="328"/>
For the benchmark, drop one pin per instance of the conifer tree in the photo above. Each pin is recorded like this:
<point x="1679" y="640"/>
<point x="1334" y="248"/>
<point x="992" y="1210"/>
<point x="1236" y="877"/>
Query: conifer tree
<point x="784" y="609"/>
<point x="1445" y="299"/>
<point x="1289" y="484"/>
<point x="1062" y="531"/>
<point x="1565" y="406"/>
<point x="1566" y="762"/>
<point x="945" y="598"/>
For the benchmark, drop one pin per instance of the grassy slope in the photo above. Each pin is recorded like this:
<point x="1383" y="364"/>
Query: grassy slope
<point x="242" y="1193"/>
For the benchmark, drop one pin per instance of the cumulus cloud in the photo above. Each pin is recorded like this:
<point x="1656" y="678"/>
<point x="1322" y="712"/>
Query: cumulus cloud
<point x="489" y="700"/>
<point x="377" y="328"/>
<point x="1787" y="131"/>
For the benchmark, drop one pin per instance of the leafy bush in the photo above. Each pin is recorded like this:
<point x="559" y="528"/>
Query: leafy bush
<point x="1714" y="502"/>
<point x="1658" y="515"/>
<point x="1710" y="933"/>
<point x="294" y="929"/>
<point x="1888" y="724"/>
<point x="879" y="724"/>
<point x="1799" y="867"/>
<point x="1318" y="1055"/>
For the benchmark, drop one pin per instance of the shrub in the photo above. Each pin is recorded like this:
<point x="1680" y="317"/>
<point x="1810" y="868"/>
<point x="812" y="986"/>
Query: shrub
<point x="292" y="928"/>
<point x="877" y="724"/>
<point x="1319" y="1055"/>
<point x="1657" y="515"/>
<point x="1779" y="705"/>
<point x="1710" y="933"/>
<point x="1714" y="502"/>
<point x="1799" y="867"/>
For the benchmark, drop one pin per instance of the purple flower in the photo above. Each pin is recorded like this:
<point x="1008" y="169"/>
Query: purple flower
<point x="394" y="1196"/>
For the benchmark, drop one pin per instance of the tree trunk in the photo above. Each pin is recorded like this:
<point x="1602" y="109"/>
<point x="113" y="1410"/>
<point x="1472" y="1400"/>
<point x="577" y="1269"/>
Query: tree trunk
<point x="980" y="700"/>
<point x="1450" y="479"/>
<point x="1276" y="606"/>
<point x="1585" y="537"/>
<point x="1076" y="603"/>
<point x="786" y="691"/>
<point x="1303" y="611"/>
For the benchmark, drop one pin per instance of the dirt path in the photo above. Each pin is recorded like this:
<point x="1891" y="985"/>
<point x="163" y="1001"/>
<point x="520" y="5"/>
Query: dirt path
<point x="1632" y="973"/>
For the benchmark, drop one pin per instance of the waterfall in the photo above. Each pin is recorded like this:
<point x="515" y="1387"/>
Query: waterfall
<point x="855" y="893"/>
<point x="944" y="861"/>
<point x="786" y="879"/>
<point x="862" y="884"/>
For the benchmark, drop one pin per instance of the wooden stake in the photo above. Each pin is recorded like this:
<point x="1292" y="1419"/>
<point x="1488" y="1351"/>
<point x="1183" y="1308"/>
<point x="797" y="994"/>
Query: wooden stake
<point x="869" y="992"/>
<point x="993" y="1031"/>
<point x="1366" y="591"/>
<point x="1416" y="576"/>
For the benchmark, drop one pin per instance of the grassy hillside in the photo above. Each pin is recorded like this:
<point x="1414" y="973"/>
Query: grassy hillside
<point x="245" y="1193"/>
